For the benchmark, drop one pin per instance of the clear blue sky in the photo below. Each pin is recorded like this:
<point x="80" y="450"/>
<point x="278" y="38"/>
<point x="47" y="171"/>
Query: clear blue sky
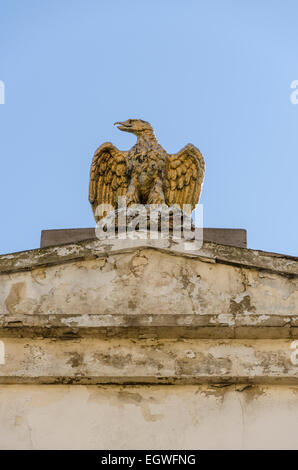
<point x="216" y="73"/>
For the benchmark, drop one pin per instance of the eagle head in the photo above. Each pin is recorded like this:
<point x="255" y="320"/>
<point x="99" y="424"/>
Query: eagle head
<point x="135" y="126"/>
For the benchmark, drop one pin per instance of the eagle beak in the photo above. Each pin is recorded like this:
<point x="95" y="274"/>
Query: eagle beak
<point x="123" y="126"/>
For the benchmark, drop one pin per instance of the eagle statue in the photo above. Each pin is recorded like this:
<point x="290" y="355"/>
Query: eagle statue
<point x="145" y="174"/>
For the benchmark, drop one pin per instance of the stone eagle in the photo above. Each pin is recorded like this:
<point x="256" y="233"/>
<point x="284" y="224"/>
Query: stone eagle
<point x="145" y="174"/>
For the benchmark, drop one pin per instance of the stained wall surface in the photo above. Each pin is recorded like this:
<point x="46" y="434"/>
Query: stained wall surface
<point x="143" y="417"/>
<point x="114" y="346"/>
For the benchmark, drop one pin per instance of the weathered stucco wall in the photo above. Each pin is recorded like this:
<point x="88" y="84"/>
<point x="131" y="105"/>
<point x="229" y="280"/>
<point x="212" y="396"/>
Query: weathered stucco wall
<point x="92" y="286"/>
<point x="147" y="360"/>
<point x="142" y="417"/>
<point x="129" y="345"/>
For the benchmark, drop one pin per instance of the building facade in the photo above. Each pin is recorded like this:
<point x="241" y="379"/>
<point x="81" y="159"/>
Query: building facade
<point x="130" y="344"/>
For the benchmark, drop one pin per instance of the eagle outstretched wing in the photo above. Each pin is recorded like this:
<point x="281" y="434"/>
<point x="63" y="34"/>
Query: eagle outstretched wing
<point x="108" y="176"/>
<point x="184" y="177"/>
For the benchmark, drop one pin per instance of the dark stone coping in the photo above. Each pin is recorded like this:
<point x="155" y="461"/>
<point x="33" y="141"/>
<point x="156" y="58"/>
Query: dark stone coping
<point x="222" y="236"/>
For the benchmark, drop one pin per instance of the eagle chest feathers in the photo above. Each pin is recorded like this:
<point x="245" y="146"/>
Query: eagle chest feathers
<point x="145" y="165"/>
<point x="146" y="174"/>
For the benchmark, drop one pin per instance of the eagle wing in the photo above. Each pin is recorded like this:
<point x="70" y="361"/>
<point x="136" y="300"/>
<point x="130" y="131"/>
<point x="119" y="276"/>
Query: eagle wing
<point x="108" y="176"/>
<point x="184" y="177"/>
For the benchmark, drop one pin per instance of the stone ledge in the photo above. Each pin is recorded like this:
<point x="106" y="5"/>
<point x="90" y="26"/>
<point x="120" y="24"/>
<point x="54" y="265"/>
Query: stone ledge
<point x="91" y="249"/>
<point x="153" y="326"/>
<point x="96" y="361"/>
